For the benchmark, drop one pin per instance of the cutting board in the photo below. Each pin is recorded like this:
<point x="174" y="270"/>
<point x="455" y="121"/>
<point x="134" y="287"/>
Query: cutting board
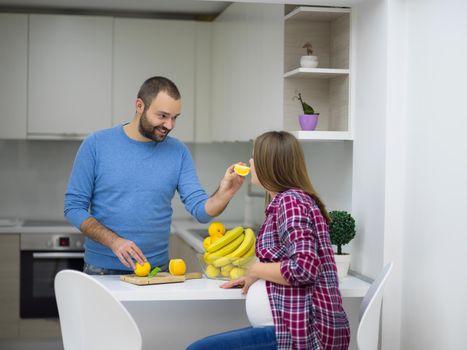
<point x="161" y="277"/>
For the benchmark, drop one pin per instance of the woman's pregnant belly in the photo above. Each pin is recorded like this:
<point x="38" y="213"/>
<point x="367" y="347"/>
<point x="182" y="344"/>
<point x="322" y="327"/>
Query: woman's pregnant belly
<point x="258" y="309"/>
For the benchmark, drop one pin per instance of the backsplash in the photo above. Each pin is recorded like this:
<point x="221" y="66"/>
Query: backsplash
<point x="34" y="176"/>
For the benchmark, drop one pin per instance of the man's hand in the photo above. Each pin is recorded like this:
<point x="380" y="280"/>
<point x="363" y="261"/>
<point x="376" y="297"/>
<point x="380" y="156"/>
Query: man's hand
<point x="229" y="185"/>
<point x="126" y="251"/>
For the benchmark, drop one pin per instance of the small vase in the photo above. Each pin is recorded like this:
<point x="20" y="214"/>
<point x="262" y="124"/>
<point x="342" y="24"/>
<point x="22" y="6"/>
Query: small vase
<point x="308" y="121"/>
<point x="343" y="264"/>
<point x="309" y="61"/>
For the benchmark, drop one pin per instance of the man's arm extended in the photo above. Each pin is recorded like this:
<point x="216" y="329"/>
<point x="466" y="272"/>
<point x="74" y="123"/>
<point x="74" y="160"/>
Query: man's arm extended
<point x="124" y="249"/>
<point x="229" y="185"/>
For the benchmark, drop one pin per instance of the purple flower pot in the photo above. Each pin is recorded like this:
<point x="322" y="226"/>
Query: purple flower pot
<point x="308" y="121"/>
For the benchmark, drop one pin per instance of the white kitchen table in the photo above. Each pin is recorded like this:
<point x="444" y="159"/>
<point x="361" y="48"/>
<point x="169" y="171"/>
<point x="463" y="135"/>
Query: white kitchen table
<point x="172" y="316"/>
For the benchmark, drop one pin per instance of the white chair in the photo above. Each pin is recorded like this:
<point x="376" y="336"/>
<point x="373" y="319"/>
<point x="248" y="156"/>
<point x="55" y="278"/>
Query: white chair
<point x="91" y="317"/>
<point x="370" y="311"/>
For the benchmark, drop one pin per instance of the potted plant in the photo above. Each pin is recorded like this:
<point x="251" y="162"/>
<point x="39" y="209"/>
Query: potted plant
<point x="308" y="61"/>
<point x="341" y="232"/>
<point x="309" y="119"/>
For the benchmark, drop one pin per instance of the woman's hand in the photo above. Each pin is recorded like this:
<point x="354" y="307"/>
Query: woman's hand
<point x="244" y="282"/>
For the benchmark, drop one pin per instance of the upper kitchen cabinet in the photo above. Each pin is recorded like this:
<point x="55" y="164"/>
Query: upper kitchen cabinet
<point x="150" y="47"/>
<point x="326" y="87"/>
<point x="247" y="65"/>
<point x="69" y="91"/>
<point x="13" y="75"/>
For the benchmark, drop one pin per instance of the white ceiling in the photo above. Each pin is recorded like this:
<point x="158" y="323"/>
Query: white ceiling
<point x="152" y="6"/>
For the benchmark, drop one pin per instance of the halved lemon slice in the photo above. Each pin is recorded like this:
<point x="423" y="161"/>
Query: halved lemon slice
<point x="241" y="169"/>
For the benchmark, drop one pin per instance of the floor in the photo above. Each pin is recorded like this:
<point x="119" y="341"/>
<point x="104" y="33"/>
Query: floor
<point x="31" y="344"/>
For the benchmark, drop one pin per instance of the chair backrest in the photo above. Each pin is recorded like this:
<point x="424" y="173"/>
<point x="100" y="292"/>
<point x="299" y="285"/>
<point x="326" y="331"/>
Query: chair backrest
<point x="91" y="317"/>
<point x="370" y="311"/>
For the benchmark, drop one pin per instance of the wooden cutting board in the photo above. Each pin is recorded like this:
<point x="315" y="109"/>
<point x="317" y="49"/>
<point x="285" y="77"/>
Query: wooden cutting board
<point x="161" y="277"/>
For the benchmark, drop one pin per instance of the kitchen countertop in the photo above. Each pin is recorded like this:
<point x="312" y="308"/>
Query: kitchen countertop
<point x="203" y="289"/>
<point x="20" y="226"/>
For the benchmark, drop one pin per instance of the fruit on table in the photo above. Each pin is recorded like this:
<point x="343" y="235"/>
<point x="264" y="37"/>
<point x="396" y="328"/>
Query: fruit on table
<point x="225" y="270"/>
<point x="211" y="257"/>
<point x="177" y="267"/>
<point x="225" y="239"/>
<point x="142" y="270"/>
<point x="241" y="169"/>
<point x="235" y="250"/>
<point x="240" y="251"/>
<point x="216" y="228"/>
<point x="212" y="271"/>
<point x="237" y="272"/>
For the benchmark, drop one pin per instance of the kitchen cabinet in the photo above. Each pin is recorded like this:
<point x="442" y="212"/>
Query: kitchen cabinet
<point x="9" y="288"/>
<point x="247" y="65"/>
<point x="325" y="88"/>
<point x="149" y="47"/>
<point x="69" y="90"/>
<point x="13" y="75"/>
<point x="179" y="249"/>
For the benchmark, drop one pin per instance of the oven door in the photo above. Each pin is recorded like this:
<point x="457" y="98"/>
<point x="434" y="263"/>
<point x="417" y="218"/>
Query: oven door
<point x="38" y="270"/>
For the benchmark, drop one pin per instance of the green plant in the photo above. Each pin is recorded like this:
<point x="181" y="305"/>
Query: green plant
<point x="341" y="229"/>
<point x="307" y="109"/>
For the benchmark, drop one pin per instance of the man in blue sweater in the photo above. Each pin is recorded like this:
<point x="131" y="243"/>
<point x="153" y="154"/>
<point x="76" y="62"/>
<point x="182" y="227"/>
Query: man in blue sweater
<point x="123" y="181"/>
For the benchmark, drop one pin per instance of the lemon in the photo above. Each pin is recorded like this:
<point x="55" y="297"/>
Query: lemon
<point x="225" y="270"/>
<point x="212" y="271"/>
<point x="177" y="267"/>
<point x="241" y="169"/>
<point x="236" y="272"/>
<point x="216" y="228"/>
<point x="142" y="270"/>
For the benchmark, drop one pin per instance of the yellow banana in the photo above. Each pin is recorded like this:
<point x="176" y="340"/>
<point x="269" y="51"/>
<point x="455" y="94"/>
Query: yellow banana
<point x="225" y="270"/>
<point x="225" y="239"/>
<point x="249" y="256"/>
<point x="246" y="244"/>
<point x="211" y="257"/>
<point x="240" y="251"/>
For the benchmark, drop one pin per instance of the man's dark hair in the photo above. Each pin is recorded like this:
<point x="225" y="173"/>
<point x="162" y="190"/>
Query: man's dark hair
<point x="152" y="86"/>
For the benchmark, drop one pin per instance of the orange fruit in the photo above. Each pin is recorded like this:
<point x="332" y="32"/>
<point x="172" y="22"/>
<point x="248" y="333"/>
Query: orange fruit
<point x="142" y="270"/>
<point x="177" y="267"/>
<point x="241" y="169"/>
<point x="216" y="228"/>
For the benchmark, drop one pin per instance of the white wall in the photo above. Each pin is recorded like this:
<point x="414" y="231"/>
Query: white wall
<point x="435" y="240"/>
<point x="369" y="74"/>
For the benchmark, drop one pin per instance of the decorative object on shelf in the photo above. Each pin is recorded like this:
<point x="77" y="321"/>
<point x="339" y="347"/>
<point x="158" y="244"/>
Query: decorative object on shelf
<point x="308" y="61"/>
<point x="309" y="119"/>
<point x="341" y="232"/>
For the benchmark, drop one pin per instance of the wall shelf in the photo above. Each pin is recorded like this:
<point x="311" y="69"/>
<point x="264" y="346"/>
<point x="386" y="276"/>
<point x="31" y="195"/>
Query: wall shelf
<point x="316" y="14"/>
<point x="323" y="135"/>
<point x="316" y="73"/>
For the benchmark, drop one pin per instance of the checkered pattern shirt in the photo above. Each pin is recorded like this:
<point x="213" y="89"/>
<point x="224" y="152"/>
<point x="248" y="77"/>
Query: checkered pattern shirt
<point x="308" y="314"/>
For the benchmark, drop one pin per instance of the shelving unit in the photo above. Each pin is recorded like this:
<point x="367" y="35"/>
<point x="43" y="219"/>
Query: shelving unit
<point x="325" y="88"/>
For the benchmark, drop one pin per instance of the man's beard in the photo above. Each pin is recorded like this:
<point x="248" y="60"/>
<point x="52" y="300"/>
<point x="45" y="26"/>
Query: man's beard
<point x="148" y="131"/>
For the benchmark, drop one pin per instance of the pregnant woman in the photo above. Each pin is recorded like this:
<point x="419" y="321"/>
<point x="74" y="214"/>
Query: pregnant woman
<point x="293" y="298"/>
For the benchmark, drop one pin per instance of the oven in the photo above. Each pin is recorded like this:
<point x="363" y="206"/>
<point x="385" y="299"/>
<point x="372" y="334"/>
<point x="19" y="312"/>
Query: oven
<point x="43" y="255"/>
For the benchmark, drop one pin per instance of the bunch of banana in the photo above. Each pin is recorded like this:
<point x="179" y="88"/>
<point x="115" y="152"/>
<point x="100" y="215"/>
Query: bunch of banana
<point x="230" y="254"/>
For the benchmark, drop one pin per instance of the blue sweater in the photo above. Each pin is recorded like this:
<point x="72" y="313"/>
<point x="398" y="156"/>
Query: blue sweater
<point x="128" y="187"/>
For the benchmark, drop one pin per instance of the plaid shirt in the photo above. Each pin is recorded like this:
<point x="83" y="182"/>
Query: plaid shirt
<point x="308" y="314"/>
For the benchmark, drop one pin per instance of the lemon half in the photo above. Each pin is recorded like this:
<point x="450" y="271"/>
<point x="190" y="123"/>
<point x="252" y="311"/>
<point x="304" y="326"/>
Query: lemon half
<point x="241" y="169"/>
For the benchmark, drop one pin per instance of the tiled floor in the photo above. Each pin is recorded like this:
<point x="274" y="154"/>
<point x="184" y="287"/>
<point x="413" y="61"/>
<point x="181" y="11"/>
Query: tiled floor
<point x="31" y="344"/>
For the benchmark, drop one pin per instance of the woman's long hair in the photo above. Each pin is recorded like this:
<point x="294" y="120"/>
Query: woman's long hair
<point x="280" y="165"/>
